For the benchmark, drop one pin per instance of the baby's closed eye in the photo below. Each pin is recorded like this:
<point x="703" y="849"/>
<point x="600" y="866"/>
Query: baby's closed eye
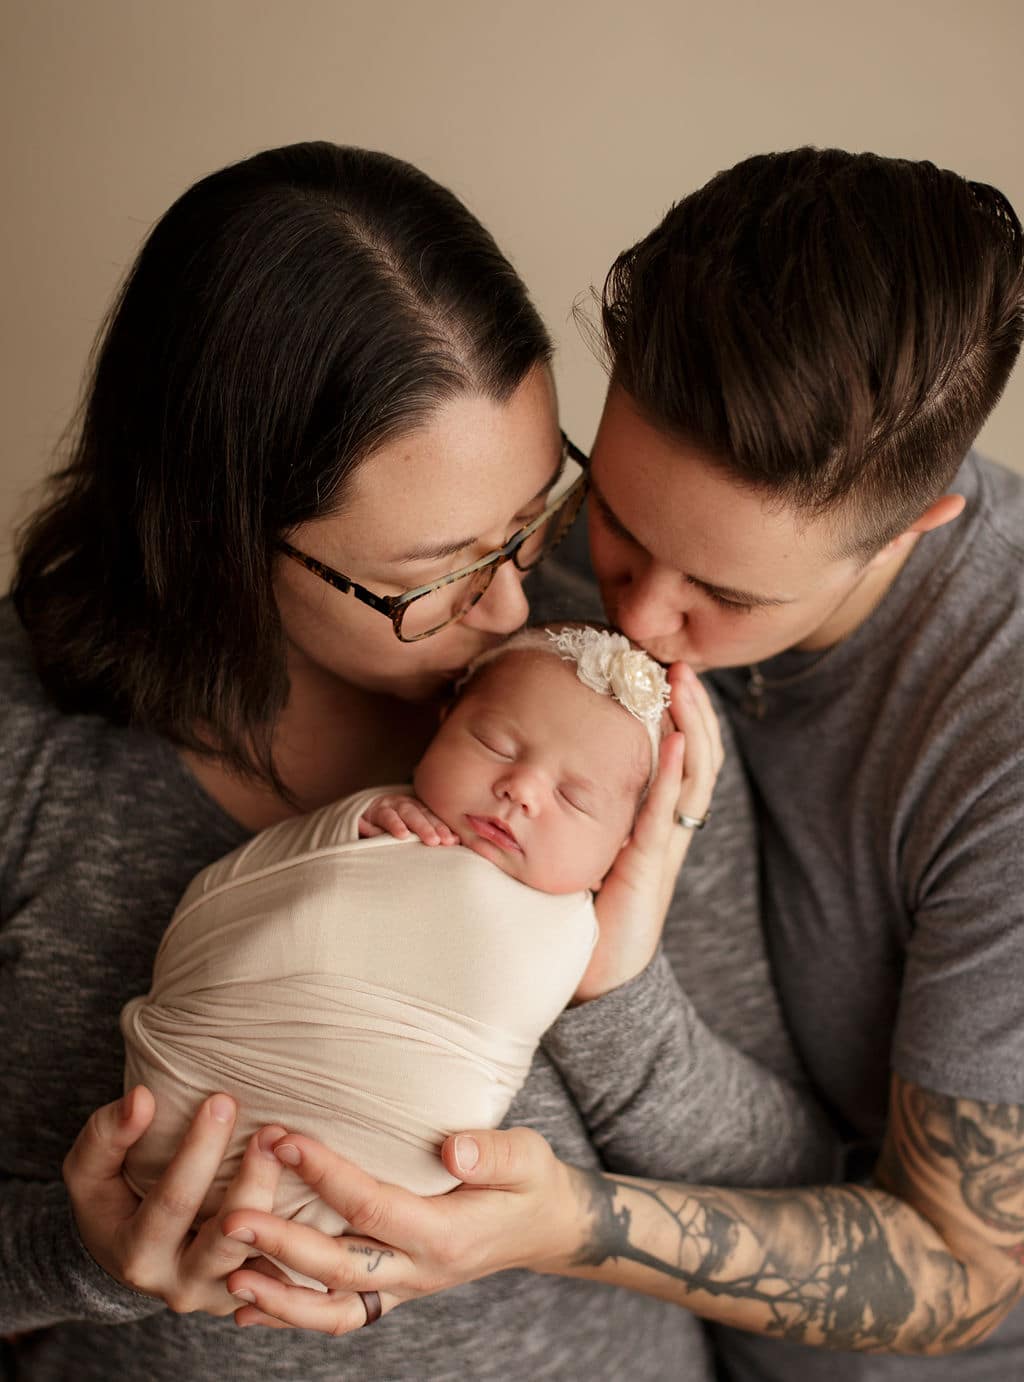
<point x="500" y="747"/>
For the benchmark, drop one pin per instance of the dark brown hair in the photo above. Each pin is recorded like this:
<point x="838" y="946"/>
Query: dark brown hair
<point x="286" y="317"/>
<point x="831" y="328"/>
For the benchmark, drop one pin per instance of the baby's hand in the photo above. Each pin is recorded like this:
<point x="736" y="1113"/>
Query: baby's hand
<point x="403" y="817"/>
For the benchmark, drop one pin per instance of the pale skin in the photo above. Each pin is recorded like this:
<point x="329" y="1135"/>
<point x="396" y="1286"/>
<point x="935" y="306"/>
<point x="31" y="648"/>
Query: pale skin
<point x="926" y="1259"/>
<point x="433" y="500"/>
<point x="521" y="747"/>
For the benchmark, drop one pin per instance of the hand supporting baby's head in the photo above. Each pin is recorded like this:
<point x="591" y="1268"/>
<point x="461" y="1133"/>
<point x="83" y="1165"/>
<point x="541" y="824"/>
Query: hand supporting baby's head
<point x="541" y="764"/>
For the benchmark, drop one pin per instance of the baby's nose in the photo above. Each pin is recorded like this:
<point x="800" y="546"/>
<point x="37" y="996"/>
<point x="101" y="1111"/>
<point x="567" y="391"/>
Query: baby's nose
<point x="522" y="788"/>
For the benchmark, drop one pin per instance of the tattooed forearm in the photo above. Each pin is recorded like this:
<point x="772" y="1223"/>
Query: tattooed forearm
<point x="838" y="1282"/>
<point x="853" y="1267"/>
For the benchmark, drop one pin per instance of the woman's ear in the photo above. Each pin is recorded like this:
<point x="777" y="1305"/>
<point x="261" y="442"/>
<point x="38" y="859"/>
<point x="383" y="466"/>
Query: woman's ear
<point x="937" y="515"/>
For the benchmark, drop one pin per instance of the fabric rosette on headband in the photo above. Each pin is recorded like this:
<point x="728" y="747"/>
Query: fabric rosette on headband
<point x="606" y="663"/>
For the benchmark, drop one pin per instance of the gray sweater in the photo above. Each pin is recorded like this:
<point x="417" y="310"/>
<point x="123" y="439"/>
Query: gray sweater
<point x="102" y="828"/>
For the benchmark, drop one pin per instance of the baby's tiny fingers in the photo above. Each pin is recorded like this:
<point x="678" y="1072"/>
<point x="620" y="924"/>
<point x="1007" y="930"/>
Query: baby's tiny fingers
<point x="419" y="822"/>
<point x="391" y="819"/>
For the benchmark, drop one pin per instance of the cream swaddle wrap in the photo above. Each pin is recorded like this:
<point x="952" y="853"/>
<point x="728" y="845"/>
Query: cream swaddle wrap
<point x="375" y="994"/>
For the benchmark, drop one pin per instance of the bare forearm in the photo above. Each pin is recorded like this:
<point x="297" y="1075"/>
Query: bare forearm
<point x="842" y="1267"/>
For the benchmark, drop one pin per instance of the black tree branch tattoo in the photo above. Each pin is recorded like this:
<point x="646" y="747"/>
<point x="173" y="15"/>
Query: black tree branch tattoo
<point x="842" y="1266"/>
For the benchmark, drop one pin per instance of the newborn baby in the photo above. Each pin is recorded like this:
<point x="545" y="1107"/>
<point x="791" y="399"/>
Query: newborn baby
<point x="377" y="994"/>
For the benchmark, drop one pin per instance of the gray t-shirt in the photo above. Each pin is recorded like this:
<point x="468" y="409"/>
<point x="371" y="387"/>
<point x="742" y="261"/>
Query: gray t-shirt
<point x="101" y="829"/>
<point x="889" y="776"/>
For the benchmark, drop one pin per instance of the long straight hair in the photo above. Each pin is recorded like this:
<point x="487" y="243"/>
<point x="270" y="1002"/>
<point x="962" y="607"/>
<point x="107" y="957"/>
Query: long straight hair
<point x="285" y="318"/>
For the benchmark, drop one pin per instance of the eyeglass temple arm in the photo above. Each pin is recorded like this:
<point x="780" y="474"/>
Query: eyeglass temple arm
<point x="385" y="603"/>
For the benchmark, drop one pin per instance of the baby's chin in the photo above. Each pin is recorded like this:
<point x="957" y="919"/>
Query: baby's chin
<point x="517" y="866"/>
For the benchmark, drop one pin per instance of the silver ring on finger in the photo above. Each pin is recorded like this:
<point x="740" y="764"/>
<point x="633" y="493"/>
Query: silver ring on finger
<point x="372" y="1306"/>
<point x="692" y="822"/>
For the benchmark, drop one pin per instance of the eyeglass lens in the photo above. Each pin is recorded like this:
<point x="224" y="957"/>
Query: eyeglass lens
<point x="430" y="612"/>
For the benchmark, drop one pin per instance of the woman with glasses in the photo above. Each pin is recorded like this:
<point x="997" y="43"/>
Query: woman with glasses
<point x="318" y="453"/>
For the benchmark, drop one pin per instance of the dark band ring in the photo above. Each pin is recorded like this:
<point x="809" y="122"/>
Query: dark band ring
<point x="372" y="1306"/>
<point x="692" y="822"/>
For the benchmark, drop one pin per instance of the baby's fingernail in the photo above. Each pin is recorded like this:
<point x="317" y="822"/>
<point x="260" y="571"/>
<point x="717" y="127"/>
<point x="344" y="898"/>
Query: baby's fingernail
<point x="247" y="1296"/>
<point x="467" y="1153"/>
<point x="290" y="1155"/>
<point x="221" y="1108"/>
<point x="242" y="1235"/>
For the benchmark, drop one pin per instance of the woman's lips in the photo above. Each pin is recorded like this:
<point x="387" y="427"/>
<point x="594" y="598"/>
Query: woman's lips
<point x="488" y="828"/>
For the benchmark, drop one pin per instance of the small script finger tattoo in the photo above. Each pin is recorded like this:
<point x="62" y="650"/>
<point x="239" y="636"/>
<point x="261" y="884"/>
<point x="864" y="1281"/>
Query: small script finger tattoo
<point x="374" y="1254"/>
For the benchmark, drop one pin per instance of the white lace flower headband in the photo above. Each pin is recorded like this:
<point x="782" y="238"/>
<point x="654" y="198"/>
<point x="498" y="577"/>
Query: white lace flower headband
<point x="606" y="663"/>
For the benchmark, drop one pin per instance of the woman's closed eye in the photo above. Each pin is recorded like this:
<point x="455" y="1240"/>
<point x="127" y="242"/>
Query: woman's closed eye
<point x="722" y="601"/>
<point x="524" y="519"/>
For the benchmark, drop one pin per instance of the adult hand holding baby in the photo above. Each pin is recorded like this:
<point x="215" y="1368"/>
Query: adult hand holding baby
<point x="520" y="1207"/>
<point x="634" y="897"/>
<point x="150" y="1244"/>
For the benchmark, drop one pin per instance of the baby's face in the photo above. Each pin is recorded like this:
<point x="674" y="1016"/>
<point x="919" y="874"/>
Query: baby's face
<point x="537" y="773"/>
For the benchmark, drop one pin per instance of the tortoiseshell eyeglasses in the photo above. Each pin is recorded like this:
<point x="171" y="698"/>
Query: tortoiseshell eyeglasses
<point x="427" y="609"/>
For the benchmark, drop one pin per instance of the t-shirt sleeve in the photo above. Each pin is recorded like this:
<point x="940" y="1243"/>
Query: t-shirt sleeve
<point x="960" y="1026"/>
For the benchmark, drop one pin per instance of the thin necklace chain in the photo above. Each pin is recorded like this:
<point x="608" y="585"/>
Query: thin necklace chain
<point x="754" y="703"/>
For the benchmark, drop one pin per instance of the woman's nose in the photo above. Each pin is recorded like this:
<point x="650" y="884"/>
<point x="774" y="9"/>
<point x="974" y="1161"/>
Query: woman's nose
<point x="652" y="602"/>
<point x="503" y="607"/>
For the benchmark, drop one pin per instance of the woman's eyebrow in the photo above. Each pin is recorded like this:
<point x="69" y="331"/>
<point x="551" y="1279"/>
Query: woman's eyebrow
<point x="612" y="519"/>
<point x="744" y="597"/>
<point x="434" y="551"/>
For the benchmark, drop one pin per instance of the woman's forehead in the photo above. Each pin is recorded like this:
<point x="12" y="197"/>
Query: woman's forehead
<point x="470" y="468"/>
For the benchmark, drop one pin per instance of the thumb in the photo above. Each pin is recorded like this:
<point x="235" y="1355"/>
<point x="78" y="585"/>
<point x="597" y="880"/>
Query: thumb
<point x="506" y="1159"/>
<point x="97" y="1156"/>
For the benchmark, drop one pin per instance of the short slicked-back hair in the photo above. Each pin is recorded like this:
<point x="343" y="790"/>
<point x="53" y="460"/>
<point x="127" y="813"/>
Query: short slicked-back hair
<point x="832" y="328"/>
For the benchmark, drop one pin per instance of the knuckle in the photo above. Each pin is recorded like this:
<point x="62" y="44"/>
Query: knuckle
<point x="528" y="1141"/>
<point x="139" y="1275"/>
<point x="172" y="1204"/>
<point x="138" y="1281"/>
<point x="342" y="1325"/>
<point x="448" y="1253"/>
<point x="181" y="1301"/>
<point x="338" y="1278"/>
<point x="370" y="1218"/>
<point x="225" y="1253"/>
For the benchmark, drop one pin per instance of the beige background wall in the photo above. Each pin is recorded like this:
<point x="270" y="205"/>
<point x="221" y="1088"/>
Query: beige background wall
<point x="568" y="127"/>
